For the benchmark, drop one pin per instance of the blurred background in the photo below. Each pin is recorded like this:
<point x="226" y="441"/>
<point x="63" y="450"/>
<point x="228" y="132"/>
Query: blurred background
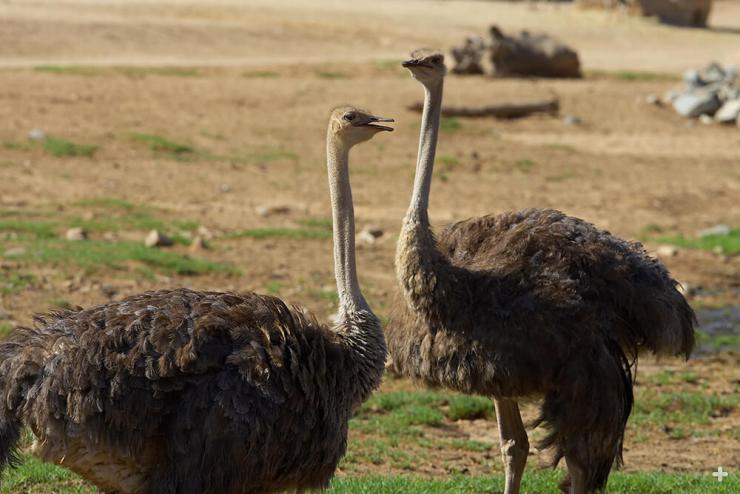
<point x="163" y="143"/>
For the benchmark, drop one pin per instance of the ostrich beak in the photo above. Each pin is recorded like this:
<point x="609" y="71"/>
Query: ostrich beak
<point x="408" y="64"/>
<point x="372" y="120"/>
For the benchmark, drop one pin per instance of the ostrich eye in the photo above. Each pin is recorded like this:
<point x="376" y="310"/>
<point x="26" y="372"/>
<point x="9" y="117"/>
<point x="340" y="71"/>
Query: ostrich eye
<point x="349" y="116"/>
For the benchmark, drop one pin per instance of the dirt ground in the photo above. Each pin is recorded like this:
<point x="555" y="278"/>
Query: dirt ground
<point x="260" y="78"/>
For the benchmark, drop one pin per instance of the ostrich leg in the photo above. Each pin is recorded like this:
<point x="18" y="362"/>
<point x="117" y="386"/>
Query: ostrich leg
<point x="514" y="443"/>
<point x="577" y="477"/>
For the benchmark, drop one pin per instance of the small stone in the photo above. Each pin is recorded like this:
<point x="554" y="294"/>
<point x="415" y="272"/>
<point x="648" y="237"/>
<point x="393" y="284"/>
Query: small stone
<point x="706" y="119"/>
<point x="157" y="239"/>
<point x="37" y="135"/>
<point x="719" y="229"/>
<point x="109" y="291"/>
<point x="198" y="243"/>
<point x="729" y="112"/>
<point x="652" y="99"/>
<point x="76" y="234"/>
<point x="666" y="251"/>
<point x="370" y="235"/>
<point x="374" y="231"/>
<point x="571" y="120"/>
<point x="204" y="232"/>
<point x="225" y="188"/>
<point x="691" y="105"/>
<point x="266" y="211"/>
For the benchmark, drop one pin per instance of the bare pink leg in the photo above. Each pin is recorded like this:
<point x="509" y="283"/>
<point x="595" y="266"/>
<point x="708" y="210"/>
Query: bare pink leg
<point x="514" y="443"/>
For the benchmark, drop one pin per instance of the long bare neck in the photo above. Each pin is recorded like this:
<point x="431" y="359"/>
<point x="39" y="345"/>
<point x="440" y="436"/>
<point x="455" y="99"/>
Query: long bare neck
<point x="418" y="209"/>
<point x="343" y="221"/>
<point x="356" y="324"/>
<point x="425" y="276"/>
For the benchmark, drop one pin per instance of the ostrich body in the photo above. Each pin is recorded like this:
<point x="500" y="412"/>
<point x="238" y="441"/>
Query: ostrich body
<point x="180" y="392"/>
<point x="530" y="304"/>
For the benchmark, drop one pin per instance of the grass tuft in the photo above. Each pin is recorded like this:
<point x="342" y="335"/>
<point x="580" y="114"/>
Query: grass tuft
<point x="726" y="244"/>
<point x="63" y="148"/>
<point x="450" y="124"/>
<point x="163" y="145"/>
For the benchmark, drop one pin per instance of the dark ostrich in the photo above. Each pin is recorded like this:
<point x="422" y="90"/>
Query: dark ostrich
<point x="530" y="304"/>
<point x="185" y="392"/>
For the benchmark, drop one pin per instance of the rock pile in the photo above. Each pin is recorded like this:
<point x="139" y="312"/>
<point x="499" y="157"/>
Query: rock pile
<point x="712" y="92"/>
<point x="526" y="54"/>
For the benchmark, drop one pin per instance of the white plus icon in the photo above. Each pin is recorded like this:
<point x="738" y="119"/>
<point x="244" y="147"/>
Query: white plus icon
<point x="720" y="474"/>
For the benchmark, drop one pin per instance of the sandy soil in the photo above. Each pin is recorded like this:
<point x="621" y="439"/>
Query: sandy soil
<point x="267" y="74"/>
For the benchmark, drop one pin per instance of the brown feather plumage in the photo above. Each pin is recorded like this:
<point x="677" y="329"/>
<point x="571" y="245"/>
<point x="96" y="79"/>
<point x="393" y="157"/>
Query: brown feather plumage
<point x="539" y="304"/>
<point x="184" y="392"/>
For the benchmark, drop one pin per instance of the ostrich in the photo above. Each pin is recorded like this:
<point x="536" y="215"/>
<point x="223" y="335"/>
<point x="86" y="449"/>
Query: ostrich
<point x="530" y="304"/>
<point x="186" y="392"/>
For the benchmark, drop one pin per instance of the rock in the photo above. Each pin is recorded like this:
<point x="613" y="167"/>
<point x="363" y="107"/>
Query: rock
<point x="669" y="97"/>
<point x="204" y="232"/>
<point x="532" y="54"/>
<point x="198" y="244"/>
<point x="693" y="79"/>
<point x="571" y="120"/>
<point x="157" y="239"/>
<point x="109" y="291"/>
<point x="706" y="119"/>
<point x="468" y="57"/>
<point x="370" y="234"/>
<point x="76" y="234"/>
<point x="714" y="230"/>
<point x="266" y="211"/>
<point x="666" y="251"/>
<point x="729" y="112"/>
<point x="691" y="105"/>
<point x="225" y="188"/>
<point x="37" y="135"/>
<point x="652" y="99"/>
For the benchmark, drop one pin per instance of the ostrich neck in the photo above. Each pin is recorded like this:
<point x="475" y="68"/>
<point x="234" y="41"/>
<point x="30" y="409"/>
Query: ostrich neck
<point x="358" y="327"/>
<point x="418" y="209"/>
<point x="424" y="274"/>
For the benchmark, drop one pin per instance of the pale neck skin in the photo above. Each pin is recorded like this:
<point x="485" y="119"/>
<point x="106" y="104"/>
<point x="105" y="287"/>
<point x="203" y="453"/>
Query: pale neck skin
<point x="418" y="209"/>
<point x="351" y="299"/>
<point x="356" y="324"/>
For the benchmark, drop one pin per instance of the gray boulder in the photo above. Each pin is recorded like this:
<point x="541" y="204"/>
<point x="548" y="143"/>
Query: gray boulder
<point x="729" y="112"/>
<point x="693" y="104"/>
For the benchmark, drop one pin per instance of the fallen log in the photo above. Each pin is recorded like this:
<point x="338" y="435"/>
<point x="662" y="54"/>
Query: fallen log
<point x="504" y="111"/>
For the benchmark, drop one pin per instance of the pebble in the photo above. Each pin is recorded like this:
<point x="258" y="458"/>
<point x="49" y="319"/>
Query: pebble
<point x="225" y="188"/>
<point x="37" y="135"/>
<point x="729" y="112"/>
<point x="706" y="119"/>
<point x="666" y="251"/>
<point x="691" y="105"/>
<point x="370" y="235"/>
<point x="157" y="239"/>
<point x="266" y="211"/>
<point x="198" y="243"/>
<point x="76" y="234"/>
<point x="652" y="99"/>
<point x="720" y="229"/>
<point x="571" y="120"/>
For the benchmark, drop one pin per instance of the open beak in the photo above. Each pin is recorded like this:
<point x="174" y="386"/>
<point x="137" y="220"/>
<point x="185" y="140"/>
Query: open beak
<point x="414" y="63"/>
<point x="373" y="120"/>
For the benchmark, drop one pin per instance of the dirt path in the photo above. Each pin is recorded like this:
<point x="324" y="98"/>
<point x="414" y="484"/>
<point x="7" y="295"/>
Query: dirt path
<point x="258" y="32"/>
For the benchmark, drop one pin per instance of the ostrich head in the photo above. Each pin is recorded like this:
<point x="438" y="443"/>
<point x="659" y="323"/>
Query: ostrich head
<point x="351" y="126"/>
<point x="426" y="66"/>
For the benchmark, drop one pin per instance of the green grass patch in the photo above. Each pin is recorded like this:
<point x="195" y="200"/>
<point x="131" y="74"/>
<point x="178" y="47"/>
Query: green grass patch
<point x="34" y="477"/>
<point x="67" y="70"/>
<point x="27" y="228"/>
<point x="106" y="203"/>
<point x="17" y="146"/>
<point x="262" y="74"/>
<point x="538" y="482"/>
<point x="469" y="407"/>
<point x="680" y="408"/>
<point x="163" y="145"/>
<point x="450" y="124"/>
<point x="293" y="233"/>
<point x="62" y="148"/>
<point x="324" y="74"/>
<point x="14" y="282"/>
<point x="524" y="165"/>
<point x="717" y="342"/>
<point x="322" y="223"/>
<point x="92" y="254"/>
<point x="666" y="377"/>
<point x="631" y="75"/>
<point x="726" y="244"/>
<point x="5" y="328"/>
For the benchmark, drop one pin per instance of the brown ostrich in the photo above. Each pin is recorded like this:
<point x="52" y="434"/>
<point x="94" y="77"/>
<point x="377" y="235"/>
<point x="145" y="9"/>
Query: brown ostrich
<point x="186" y="392"/>
<point x="530" y="304"/>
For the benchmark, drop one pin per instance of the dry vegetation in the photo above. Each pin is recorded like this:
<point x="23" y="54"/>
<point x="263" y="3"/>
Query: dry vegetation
<point x="138" y="145"/>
